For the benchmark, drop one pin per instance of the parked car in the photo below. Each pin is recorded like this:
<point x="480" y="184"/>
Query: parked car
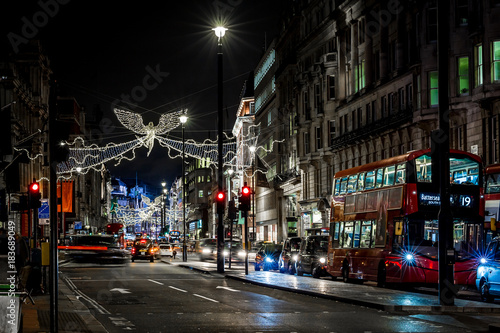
<point x="207" y="249"/>
<point x="488" y="272"/>
<point x="267" y="257"/>
<point x="145" y="249"/>
<point x="289" y="255"/>
<point x="312" y="256"/>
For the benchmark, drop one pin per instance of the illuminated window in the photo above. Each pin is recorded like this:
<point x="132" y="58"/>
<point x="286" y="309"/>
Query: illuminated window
<point x="463" y="75"/>
<point x="495" y="61"/>
<point x="433" y="89"/>
<point x="478" y="69"/>
<point x="200" y="193"/>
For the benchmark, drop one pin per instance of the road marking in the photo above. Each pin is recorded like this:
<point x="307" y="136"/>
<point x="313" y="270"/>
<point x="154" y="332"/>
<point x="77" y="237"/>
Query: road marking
<point x="227" y="288"/>
<point x="184" y="291"/>
<point x="121" y="290"/>
<point x="208" y="299"/>
<point x="156" y="282"/>
<point x="96" y="305"/>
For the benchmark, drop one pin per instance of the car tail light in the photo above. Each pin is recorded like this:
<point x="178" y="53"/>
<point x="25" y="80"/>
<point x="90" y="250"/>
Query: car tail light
<point x="133" y="250"/>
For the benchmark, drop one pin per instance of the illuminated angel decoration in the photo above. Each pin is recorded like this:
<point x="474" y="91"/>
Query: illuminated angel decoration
<point x="134" y="122"/>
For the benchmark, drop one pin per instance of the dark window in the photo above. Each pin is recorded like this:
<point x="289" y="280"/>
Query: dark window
<point x="331" y="86"/>
<point x="462" y="12"/>
<point x="432" y="22"/>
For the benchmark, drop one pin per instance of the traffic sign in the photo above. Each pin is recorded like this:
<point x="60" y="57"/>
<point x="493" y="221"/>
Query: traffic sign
<point x="43" y="211"/>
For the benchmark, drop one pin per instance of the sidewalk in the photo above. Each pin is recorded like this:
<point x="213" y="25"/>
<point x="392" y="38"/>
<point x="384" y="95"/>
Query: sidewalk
<point x="365" y="295"/>
<point x="73" y="315"/>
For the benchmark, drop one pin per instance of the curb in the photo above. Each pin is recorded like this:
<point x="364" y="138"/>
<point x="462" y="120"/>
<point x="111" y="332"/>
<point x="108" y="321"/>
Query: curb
<point x="378" y="306"/>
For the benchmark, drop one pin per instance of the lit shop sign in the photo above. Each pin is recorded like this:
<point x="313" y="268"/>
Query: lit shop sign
<point x="456" y="200"/>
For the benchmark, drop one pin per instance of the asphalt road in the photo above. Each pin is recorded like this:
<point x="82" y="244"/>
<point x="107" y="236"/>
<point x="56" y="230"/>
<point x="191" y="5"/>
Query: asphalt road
<point x="157" y="297"/>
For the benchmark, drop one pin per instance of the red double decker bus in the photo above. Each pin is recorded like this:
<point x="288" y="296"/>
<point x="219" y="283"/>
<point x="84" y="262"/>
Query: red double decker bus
<point x="384" y="220"/>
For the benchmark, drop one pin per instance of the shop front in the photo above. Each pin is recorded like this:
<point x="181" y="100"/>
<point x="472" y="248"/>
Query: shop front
<point x="314" y="215"/>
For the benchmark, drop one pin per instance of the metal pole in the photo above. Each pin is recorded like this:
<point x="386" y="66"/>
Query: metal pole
<point x="184" y="246"/>
<point x="447" y="290"/>
<point x="247" y="246"/>
<point x="54" y="228"/>
<point x="220" y="224"/>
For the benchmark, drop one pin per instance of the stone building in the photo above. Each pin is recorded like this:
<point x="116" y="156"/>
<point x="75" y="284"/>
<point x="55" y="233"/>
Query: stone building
<point x="356" y="82"/>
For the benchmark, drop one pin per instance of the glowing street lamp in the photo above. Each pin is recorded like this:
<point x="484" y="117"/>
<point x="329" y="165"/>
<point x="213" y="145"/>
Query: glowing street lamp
<point x="220" y="32"/>
<point x="183" y="120"/>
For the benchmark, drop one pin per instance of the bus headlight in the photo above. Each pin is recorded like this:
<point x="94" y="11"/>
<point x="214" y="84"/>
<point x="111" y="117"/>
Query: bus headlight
<point x="225" y="253"/>
<point x="322" y="260"/>
<point x="295" y="257"/>
<point x="241" y="254"/>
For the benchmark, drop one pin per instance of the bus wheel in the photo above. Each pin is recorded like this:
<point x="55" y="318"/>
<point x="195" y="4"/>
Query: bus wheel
<point x="485" y="292"/>
<point x="381" y="276"/>
<point x="345" y="272"/>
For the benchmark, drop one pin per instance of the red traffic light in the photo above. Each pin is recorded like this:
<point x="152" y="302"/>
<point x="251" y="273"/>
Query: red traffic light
<point x="245" y="190"/>
<point x="220" y="196"/>
<point x="34" y="187"/>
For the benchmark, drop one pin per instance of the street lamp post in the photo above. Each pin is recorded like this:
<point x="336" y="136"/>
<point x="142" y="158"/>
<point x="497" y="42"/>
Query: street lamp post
<point x="183" y="120"/>
<point x="162" y="212"/>
<point x="219" y="32"/>
<point x="252" y="150"/>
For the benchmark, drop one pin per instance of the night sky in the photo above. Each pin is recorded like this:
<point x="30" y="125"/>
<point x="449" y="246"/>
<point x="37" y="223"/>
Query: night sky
<point x="100" y="51"/>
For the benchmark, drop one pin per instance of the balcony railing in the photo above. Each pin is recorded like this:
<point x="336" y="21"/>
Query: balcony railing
<point x="284" y="177"/>
<point x="381" y="125"/>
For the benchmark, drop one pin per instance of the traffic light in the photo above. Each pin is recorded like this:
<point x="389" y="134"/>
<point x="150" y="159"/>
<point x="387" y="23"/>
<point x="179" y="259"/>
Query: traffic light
<point x="220" y="198"/>
<point x="34" y="195"/>
<point x="246" y="192"/>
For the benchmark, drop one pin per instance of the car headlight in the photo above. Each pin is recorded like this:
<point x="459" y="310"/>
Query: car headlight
<point x="241" y="254"/>
<point x="322" y="260"/>
<point x="295" y="257"/>
<point x="482" y="260"/>
<point x="225" y="252"/>
<point x="269" y="259"/>
<point x="206" y="251"/>
<point x="409" y="257"/>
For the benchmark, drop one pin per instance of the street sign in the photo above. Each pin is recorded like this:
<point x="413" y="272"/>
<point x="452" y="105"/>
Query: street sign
<point x="78" y="225"/>
<point x="43" y="211"/>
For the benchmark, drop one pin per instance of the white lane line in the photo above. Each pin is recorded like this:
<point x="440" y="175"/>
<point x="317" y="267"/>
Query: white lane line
<point x="208" y="299"/>
<point x="96" y="305"/>
<point x="184" y="291"/>
<point x="156" y="282"/>
<point x="227" y="288"/>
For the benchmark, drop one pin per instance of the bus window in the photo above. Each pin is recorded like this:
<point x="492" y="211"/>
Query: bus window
<point x="341" y="234"/>
<point x="351" y="184"/>
<point x="374" y="234"/>
<point x="336" y="187"/>
<point x="424" y="170"/>
<point x="348" y="234"/>
<point x="458" y="236"/>
<point x="401" y="174"/>
<point x="343" y="185"/>
<point x="356" y="233"/>
<point x="430" y="232"/>
<point x="464" y="171"/>
<point x="459" y="176"/>
<point x="361" y="181"/>
<point x="366" y="234"/>
<point x="370" y="180"/>
<point x="492" y="184"/>
<point x="379" y="178"/>
<point x="389" y="175"/>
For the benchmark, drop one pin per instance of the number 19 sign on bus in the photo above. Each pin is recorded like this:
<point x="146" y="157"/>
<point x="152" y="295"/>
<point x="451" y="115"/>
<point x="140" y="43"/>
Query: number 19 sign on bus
<point x="384" y="223"/>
